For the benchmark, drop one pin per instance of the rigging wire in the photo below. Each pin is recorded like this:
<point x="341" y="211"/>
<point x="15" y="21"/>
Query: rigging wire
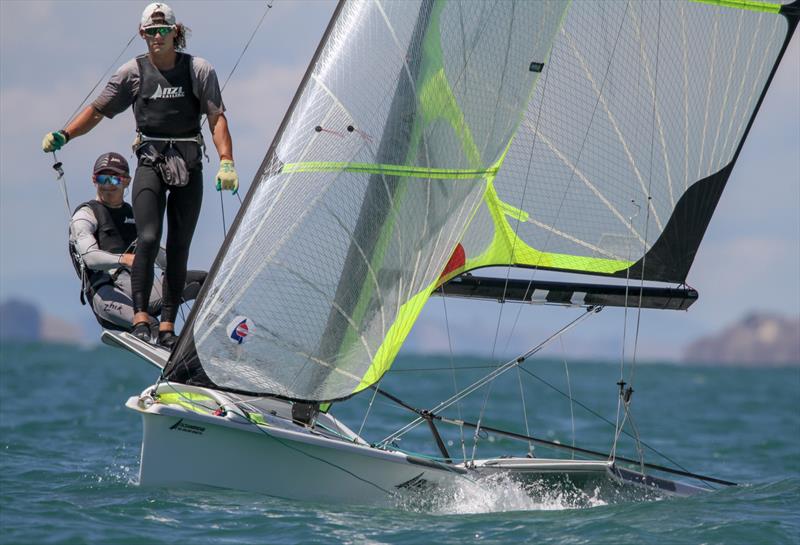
<point x="222" y="209"/>
<point x="626" y="393"/>
<point x="490" y="377"/>
<point x="508" y="274"/>
<point x="566" y="395"/>
<point x="535" y="268"/>
<point x="453" y="374"/>
<point x="649" y="196"/>
<point x="282" y="442"/>
<point x="620" y="383"/>
<point x="100" y="80"/>
<point x="531" y="453"/>
<point x="599" y="416"/>
<point x="569" y="389"/>
<point x="707" y="480"/>
<point x="247" y="45"/>
<point x="555" y="389"/>
<point x="369" y="408"/>
<point x="225" y="83"/>
<point x="57" y="165"/>
<point x="62" y="183"/>
<point x="561" y="203"/>
<point x="646" y="237"/>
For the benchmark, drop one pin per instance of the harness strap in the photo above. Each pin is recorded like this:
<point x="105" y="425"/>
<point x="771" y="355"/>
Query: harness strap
<point x="143" y="139"/>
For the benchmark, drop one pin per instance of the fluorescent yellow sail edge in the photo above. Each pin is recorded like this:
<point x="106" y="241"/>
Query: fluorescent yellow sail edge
<point x="508" y="249"/>
<point x="748" y="5"/>
<point x="390" y="170"/>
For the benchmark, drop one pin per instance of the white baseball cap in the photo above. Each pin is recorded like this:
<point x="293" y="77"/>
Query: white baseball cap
<point x="157" y="14"/>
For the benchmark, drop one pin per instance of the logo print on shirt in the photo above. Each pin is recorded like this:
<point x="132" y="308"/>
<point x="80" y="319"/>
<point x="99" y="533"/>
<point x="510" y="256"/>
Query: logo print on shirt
<point x="168" y="92"/>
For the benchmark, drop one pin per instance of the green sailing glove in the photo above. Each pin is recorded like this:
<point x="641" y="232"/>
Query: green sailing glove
<point x="226" y="177"/>
<point x="54" y="141"/>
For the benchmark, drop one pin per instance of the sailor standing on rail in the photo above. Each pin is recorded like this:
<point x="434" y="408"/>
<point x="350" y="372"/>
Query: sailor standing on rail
<point x="169" y="91"/>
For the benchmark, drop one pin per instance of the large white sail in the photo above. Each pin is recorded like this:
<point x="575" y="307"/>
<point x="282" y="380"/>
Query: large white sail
<point x="642" y="105"/>
<point x="430" y="138"/>
<point x="407" y="112"/>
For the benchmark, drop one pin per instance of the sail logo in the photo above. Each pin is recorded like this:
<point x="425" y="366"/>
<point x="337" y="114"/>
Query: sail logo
<point x="168" y="92"/>
<point x="239" y="329"/>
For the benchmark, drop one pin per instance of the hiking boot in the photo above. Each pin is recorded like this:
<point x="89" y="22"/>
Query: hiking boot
<point x="167" y="339"/>
<point x="141" y="331"/>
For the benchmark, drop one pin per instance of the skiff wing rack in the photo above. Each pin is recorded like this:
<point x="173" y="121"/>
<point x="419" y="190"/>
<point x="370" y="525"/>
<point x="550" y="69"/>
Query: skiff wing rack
<point x="153" y="355"/>
<point x="568" y="293"/>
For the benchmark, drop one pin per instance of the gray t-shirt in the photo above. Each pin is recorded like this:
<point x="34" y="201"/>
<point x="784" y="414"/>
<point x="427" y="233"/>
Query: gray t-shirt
<point x="121" y="90"/>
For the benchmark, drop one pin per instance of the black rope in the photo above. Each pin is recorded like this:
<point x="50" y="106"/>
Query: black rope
<point x="222" y="208"/>
<point x="99" y="81"/>
<point x="601" y="417"/>
<point x="227" y="79"/>
<point x="252" y="35"/>
<point x="429" y="416"/>
<point x="587" y="451"/>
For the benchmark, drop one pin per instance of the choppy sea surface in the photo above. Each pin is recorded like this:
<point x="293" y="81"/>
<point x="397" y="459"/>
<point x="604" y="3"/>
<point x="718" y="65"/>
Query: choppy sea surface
<point x="69" y="454"/>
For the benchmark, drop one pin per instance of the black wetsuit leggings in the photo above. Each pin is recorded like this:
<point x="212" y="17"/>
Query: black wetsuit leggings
<point x="151" y="197"/>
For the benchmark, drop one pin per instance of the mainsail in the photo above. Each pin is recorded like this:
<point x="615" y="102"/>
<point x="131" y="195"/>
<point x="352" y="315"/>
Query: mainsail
<point x="444" y="136"/>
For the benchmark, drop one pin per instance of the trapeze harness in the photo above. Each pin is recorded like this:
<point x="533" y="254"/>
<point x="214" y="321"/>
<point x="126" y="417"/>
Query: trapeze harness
<point x="170" y="143"/>
<point x="116" y="234"/>
<point x="162" y="122"/>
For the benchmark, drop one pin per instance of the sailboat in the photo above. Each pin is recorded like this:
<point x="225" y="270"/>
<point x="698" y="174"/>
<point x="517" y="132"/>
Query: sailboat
<point x="429" y="140"/>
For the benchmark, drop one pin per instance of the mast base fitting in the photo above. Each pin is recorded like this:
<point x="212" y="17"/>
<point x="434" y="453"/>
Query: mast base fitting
<point x="304" y="413"/>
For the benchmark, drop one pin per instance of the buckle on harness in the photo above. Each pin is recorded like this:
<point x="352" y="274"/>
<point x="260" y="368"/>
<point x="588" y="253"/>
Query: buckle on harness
<point x="142" y="139"/>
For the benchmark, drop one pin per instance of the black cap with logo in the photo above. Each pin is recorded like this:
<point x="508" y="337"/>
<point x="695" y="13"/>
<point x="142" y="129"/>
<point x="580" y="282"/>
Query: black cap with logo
<point x="111" y="162"/>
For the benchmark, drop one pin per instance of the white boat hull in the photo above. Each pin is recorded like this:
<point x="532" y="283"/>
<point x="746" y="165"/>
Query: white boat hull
<point x="253" y="445"/>
<point x="181" y="448"/>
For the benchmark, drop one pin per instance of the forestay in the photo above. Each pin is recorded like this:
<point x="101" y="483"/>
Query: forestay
<point x="445" y="136"/>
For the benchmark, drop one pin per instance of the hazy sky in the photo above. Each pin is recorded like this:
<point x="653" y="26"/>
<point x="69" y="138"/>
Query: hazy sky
<point x="54" y="52"/>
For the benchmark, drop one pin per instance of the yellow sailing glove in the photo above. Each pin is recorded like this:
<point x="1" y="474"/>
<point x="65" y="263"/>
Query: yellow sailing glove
<point x="54" y="141"/>
<point x="227" y="177"/>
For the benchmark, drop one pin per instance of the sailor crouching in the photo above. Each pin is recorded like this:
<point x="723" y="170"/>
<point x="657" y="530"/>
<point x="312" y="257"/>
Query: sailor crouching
<point x="102" y="235"/>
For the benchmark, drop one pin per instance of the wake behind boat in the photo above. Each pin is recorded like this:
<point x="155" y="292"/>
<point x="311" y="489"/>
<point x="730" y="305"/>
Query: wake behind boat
<point x="429" y="139"/>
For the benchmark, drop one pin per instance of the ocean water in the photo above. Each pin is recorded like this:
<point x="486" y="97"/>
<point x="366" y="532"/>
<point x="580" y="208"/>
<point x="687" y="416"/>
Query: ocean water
<point x="70" y="452"/>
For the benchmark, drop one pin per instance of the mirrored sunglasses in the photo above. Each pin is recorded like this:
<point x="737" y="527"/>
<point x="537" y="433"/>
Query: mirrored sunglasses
<point x="162" y="30"/>
<point x="104" y="179"/>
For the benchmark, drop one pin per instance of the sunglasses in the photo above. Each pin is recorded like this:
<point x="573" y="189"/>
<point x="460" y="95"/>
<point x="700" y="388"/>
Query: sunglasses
<point x="158" y="30"/>
<point x="104" y="179"/>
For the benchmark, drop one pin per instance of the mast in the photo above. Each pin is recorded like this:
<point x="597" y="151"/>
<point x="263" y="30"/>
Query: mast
<point x="382" y="190"/>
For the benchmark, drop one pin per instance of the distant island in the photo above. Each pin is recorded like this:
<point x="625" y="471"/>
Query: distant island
<point x="22" y="321"/>
<point x="758" y="339"/>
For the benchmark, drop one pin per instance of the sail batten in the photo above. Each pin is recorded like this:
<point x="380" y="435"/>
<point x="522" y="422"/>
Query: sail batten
<point x="431" y="137"/>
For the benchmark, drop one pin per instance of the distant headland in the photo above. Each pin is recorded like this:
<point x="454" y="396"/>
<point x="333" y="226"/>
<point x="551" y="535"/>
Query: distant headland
<point x="759" y="339"/>
<point x="22" y="321"/>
